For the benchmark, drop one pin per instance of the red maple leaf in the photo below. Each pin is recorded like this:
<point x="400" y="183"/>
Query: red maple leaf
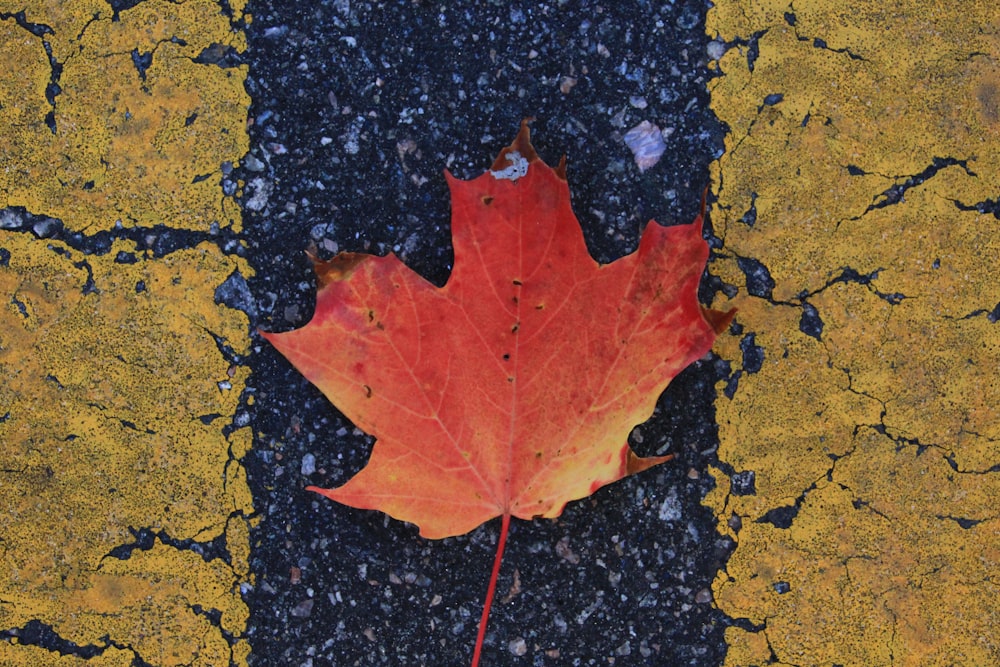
<point x="512" y="389"/>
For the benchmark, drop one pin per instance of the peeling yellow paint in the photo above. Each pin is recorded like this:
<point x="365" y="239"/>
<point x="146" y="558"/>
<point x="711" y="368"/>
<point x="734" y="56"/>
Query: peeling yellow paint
<point x="103" y="397"/>
<point x="38" y="657"/>
<point x="142" y="149"/>
<point x="115" y="390"/>
<point x="880" y="435"/>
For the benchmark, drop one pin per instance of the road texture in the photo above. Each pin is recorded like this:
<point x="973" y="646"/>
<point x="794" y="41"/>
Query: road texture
<point x="357" y="109"/>
<point x="858" y="205"/>
<point x="125" y="509"/>
<point x="163" y="164"/>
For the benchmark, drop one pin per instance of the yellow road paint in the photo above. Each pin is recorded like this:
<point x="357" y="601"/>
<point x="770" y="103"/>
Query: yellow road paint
<point x="117" y="376"/>
<point x="142" y="147"/>
<point x="39" y="657"/>
<point x="878" y="434"/>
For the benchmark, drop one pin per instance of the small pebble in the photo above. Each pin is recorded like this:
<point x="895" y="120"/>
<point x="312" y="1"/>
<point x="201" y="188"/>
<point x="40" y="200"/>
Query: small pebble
<point x="564" y="551"/>
<point x="518" y="646"/>
<point x="252" y="163"/>
<point x="646" y="143"/>
<point x="303" y="609"/>
<point x="716" y="49"/>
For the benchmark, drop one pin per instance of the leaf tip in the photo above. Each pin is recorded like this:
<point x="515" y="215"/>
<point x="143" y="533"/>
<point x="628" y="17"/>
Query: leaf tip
<point x="521" y="149"/>
<point x="718" y="319"/>
<point x="521" y="145"/>
<point x="328" y="493"/>
<point x="634" y="464"/>
<point x="339" y="267"/>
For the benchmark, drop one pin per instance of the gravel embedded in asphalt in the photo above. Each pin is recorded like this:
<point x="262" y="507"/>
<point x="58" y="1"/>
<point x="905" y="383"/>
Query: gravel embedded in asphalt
<point x="357" y="108"/>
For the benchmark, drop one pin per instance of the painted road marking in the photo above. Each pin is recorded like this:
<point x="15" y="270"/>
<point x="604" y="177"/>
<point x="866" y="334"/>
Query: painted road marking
<point x="858" y="204"/>
<point x="125" y="513"/>
<point x="857" y="201"/>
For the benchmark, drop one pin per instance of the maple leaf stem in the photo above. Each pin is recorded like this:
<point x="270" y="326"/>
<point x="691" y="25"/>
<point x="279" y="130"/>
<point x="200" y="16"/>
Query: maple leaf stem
<point x="492" y="589"/>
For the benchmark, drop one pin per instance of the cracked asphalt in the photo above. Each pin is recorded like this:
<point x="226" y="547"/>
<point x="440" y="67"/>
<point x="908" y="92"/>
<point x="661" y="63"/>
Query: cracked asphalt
<point x="166" y="165"/>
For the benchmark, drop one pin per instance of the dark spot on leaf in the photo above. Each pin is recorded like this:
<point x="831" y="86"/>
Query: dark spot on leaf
<point x="487" y="200"/>
<point x="368" y="391"/>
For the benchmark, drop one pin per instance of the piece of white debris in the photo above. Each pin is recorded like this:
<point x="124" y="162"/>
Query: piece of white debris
<point x="646" y="143"/>
<point x="308" y="465"/>
<point x="518" y="168"/>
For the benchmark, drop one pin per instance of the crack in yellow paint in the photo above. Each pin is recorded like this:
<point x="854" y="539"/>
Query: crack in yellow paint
<point x="109" y="366"/>
<point x="139" y="148"/>
<point x="864" y="137"/>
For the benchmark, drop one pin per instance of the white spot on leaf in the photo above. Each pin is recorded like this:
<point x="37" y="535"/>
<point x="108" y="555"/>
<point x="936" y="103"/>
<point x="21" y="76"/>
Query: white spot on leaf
<point x="518" y="168"/>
